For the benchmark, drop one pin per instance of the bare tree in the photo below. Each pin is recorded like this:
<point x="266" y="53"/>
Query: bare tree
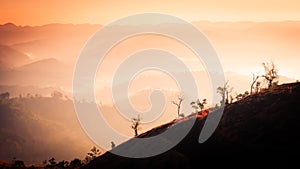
<point x="254" y="80"/>
<point x="271" y="73"/>
<point x="136" y="122"/>
<point x="178" y="104"/>
<point x="224" y="92"/>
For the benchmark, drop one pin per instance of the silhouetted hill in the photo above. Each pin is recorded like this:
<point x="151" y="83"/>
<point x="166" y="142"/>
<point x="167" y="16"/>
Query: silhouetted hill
<point x="261" y="130"/>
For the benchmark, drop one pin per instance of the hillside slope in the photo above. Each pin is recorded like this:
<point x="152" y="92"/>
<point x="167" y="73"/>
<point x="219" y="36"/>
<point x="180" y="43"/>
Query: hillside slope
<point x="259" y="130"/>
<point x="36" y="133"/>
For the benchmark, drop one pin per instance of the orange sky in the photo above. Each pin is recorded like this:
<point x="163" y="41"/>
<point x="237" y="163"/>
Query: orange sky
<point x="35" y="12"/>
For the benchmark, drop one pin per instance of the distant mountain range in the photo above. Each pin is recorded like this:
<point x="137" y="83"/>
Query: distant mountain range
<point x="246" y="43"/>
<point x="60" y="41"/>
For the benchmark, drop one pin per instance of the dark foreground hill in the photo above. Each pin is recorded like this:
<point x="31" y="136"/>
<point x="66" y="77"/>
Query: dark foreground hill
<point x="261" y="130"/>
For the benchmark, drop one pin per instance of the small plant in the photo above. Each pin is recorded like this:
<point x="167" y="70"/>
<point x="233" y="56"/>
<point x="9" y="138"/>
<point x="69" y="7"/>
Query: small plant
<point x="241" y="96"/>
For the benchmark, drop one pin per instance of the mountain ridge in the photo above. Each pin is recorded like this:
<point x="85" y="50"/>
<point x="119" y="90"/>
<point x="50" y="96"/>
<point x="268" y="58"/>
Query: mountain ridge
<point x="262" y="126"/>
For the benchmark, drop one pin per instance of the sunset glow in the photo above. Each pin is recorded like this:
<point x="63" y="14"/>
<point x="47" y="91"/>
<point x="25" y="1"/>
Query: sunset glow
<point x="33" y="12"/>
<point x="42" y="43"/>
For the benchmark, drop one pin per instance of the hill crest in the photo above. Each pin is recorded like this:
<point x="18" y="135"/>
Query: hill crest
<point x="261" y="125"/>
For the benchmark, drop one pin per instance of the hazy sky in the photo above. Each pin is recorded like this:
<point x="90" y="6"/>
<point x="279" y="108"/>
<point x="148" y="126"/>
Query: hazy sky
<point x="35" y="12"/>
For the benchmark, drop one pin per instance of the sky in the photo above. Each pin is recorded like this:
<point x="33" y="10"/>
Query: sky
<point x="35" y="12"/>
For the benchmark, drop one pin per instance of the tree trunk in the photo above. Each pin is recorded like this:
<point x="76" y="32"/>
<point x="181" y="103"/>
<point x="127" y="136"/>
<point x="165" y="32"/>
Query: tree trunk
<point x="135" y="132"/>
<point x="270" y="83"/>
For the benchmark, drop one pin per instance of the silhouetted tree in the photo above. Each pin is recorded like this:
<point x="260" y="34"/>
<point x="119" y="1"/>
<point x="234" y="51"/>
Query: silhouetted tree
<point x="271" y="73"/>
<point x="136" y="122"/>
<point x="113" y="145"/>
<point x="224" y="92"/>
<point x="178" y="104"/>
<point x="76" y="163"/>
<point x="257" y="87"/>
<point x="62" y="164"/>
<point x="17" y="164"/>
<point x="254" y="80"/>
<point x="52" y="162"/>
<point x="198" y="105"/>
<point x="94" y="152"/>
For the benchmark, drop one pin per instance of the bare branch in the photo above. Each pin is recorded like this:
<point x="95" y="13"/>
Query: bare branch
<point x="178" y="104"/>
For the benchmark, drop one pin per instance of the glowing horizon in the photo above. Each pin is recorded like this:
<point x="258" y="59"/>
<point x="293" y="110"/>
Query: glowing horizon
<point x="37" y="13"/>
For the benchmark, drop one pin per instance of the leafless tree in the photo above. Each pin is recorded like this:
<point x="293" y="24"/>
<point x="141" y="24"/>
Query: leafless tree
<point x="271" y="73"/>
<point x="254" y="80"/>
<point x="178" y="104"/>
<point x="136" y="122"/>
